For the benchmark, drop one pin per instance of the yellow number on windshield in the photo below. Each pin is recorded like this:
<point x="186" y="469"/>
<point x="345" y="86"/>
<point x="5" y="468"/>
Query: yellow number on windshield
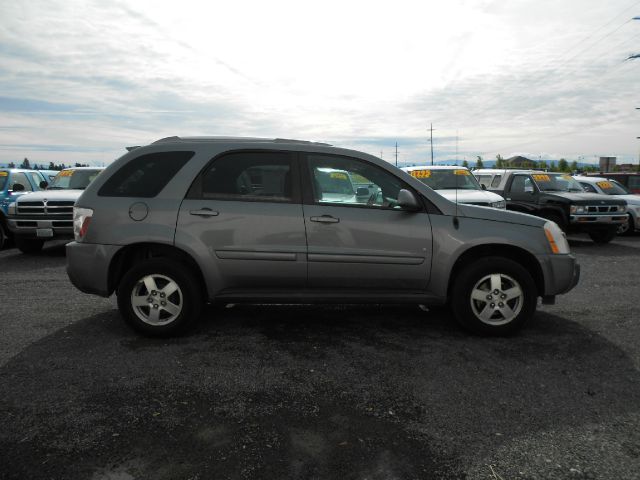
<point x="604" y="185"/>
<point x="420" y="173"/>
<point x="341" y="176"/>
<point x="541" y="178"/>
<point x="461" y="172"/>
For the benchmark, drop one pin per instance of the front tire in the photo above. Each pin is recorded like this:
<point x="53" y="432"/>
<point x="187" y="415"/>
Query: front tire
<point x="603" y="236"/>
<point x="493" y="296"/>
<point x="628" y="228"/>
<point x="159" y="297"/>
<point x="4" y="236"/>
<point x="29" y="245"/>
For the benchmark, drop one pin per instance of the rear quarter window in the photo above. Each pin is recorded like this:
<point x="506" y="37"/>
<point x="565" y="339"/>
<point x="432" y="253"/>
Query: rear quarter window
<point x="145" y="176"/>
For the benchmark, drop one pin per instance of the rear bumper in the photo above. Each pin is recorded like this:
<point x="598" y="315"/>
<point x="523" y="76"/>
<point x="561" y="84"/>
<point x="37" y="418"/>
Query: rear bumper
<point x="88" y="266"/>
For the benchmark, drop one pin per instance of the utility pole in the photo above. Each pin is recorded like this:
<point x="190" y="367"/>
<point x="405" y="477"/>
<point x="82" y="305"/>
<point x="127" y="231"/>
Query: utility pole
<point x="456" y="147"/>
<point x="431" y="141"/>
<point x="396" y="154"/>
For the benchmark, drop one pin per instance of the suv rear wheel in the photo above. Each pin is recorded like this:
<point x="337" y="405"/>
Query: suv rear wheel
<point x="159" y="297"/>
<point x="493" y="296"/>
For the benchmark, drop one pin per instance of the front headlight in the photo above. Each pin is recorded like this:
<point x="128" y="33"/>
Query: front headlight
<point x="622" y="208"/>
<point x="576" y="209"/>
<point x="500" y="204"/>
<point x="11" y="209"/>
<point x="556" y="238"/>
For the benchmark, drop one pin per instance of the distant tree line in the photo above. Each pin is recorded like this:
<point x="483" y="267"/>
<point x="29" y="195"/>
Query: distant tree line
<point x="562" y="165"/>
<point x="52" y="166"/>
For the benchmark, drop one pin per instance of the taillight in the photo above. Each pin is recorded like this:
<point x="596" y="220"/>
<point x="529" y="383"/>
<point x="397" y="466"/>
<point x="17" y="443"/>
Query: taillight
<point x="81" y="221"/>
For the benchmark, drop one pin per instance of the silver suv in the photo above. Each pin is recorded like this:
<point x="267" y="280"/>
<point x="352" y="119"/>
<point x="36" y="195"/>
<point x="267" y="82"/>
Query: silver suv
<point x="185" y="221"/>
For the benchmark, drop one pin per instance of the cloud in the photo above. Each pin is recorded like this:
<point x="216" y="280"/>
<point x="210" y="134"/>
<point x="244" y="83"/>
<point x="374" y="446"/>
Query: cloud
<point x="84" y="79"/>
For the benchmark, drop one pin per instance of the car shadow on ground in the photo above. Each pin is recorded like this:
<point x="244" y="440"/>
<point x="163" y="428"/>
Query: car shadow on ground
<point x="300" y="391"/>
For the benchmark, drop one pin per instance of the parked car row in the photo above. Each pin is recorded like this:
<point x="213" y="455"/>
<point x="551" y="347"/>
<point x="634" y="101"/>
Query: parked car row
<point x="600" y="207"/>
<point x="46" y="213"/>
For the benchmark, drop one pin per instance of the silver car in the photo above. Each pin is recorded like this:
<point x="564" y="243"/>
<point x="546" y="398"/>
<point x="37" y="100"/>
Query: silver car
<point x="185" y="221"/>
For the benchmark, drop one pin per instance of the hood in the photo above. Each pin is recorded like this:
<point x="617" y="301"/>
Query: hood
<point x="470" y="196"/>
<point x="587" y="198"/>
<point x="70" y="195"/>
<point x="499" y="215"/>
<point x="630" y="199"/>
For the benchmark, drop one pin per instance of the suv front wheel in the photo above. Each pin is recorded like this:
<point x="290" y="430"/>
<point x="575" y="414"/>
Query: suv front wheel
<point x="159" y="297"/>
<point x="493" y="296"/>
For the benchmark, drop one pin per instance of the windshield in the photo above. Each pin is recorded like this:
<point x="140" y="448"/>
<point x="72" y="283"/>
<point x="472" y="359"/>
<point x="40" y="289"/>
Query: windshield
<point x="449" y="179"/>
<point x="334" y="181"/>
<point x="611" y="187"/>
<point x="556" y="182"/>
<point x="73" y="179"/>
<point x="3" y="178"/>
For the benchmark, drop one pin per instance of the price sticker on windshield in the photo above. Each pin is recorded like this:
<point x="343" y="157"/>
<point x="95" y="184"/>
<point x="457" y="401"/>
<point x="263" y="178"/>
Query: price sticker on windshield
<point x="541" y="178"/>
<point x="604" y="185"/>
<point x="567" y="177"/>
<point x="66" y="173"/>
<point x="461" y="172"/>
<point x="338" y="175"/>
<point x="4" y="174"/>
<point x="420" y="173"/>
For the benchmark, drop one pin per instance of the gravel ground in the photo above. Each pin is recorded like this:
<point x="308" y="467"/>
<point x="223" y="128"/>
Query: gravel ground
<point x="367" y="392"/>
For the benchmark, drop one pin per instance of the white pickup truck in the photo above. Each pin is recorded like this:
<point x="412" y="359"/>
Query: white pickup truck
<point x="456" y="184"/>
<point x="48" y="214"/>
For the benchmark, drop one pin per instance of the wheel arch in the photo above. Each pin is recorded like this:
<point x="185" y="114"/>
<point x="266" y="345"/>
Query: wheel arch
<point x="517" y="254"/>
<point x="128" y="256"/>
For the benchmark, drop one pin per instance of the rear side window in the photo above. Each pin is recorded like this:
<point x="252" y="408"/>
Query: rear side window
<point x="496" y="181"/>
<point x="145" y="176"/>
<point x="484" y="180"/>
<point x="248" y="176"/>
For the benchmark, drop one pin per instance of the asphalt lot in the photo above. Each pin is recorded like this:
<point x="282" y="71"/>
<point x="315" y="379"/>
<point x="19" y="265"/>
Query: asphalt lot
<point x="367" y="392"/>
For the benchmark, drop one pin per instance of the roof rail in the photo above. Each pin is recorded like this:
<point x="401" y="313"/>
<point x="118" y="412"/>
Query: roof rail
<point x="237" y="139"/>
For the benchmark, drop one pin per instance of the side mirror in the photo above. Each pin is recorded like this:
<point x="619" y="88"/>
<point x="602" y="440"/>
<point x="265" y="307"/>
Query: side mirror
<point x="17" y="187"/>
<point x="44" y="184"/>
<point x="484" y="187"/>
<point x="362" y="192"/>
<point x="408" y="201"/>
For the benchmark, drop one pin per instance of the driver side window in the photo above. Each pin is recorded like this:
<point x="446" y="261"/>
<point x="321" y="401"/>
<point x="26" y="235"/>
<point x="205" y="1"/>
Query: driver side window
<point x="521" y="184"/>
<point x="351" y="182"/>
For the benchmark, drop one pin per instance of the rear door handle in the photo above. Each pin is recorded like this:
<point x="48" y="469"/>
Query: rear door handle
<point x="325" y="219"/>
<point x="204" y="212"/>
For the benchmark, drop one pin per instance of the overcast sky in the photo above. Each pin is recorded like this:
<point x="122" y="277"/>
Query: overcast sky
<point x="81" y="80"/>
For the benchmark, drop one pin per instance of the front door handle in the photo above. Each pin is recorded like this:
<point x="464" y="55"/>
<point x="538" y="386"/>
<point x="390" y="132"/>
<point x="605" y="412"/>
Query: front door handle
<point x="204" y="212"/>
<point x="325" y="219"/>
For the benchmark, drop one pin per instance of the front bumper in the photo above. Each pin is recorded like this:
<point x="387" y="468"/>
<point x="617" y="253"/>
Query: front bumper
<point x="598" y="220"/>
<point x="88" y="266"/>
<point x="561" y="273"/>
<point x="41" y="228"/>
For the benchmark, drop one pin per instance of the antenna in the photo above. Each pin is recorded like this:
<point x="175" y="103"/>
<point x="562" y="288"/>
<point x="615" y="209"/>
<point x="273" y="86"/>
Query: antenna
<point x="396" y="154"/>
<point x="431" y="141"/>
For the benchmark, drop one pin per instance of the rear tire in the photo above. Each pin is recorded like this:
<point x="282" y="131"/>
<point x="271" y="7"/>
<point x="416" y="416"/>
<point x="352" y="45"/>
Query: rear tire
<point x="493" y="296"/>
<point x="29" y="245"/>
<point x="159" y="297"/>
<point x="603" y="236"/>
